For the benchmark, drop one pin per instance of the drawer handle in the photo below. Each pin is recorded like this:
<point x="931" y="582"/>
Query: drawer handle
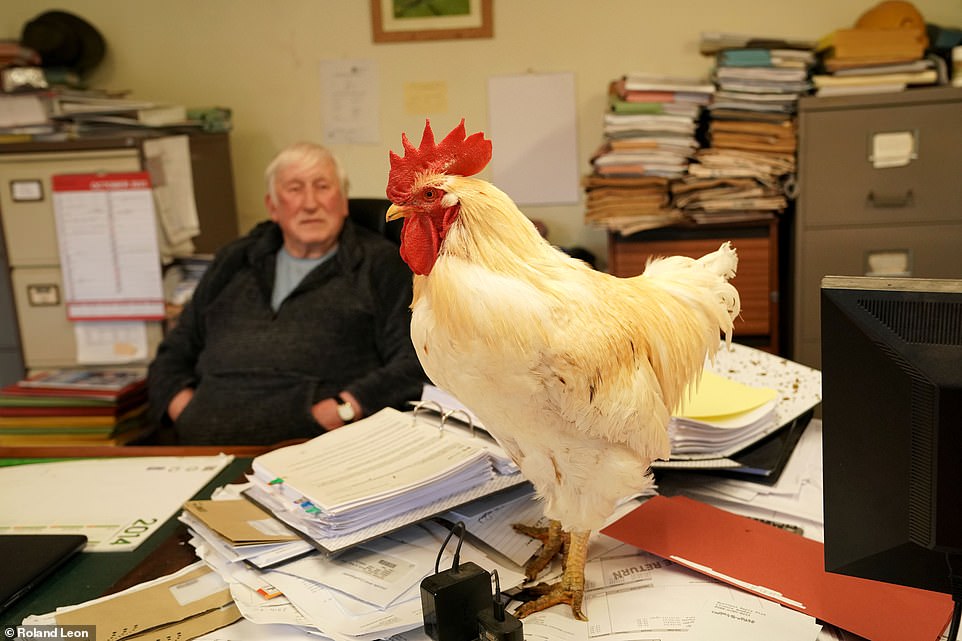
<point x="890" y="200"/>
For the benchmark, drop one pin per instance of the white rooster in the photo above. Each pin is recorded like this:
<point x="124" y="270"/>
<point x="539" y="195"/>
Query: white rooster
<point x="575" y="372"/>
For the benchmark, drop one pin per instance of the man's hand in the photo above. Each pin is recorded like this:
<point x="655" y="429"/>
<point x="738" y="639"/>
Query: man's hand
<point x="325" y="411"/>
<point x="179" y="402"/>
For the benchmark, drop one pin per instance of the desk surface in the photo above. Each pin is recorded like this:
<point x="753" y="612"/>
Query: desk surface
<point x="92" y="574"/>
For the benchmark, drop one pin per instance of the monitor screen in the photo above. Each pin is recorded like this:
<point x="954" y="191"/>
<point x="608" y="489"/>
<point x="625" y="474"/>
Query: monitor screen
<point x="892" y="428"/>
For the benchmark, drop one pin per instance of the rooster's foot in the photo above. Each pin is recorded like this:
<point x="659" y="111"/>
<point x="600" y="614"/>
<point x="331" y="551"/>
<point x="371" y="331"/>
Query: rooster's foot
<point x="553" y="540"/>
<point x="552" y="595"/>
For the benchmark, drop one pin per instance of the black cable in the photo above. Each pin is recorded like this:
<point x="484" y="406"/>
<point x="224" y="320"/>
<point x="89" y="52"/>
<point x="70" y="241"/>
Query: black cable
<point x="956" y="617"/>
<point x="498" y="603"/>
<point x="955" y="582"/>
<point x="457" y="552"/>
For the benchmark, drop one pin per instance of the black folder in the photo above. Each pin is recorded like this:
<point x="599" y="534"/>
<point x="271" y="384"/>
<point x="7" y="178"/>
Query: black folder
<point x="28" y="559"/>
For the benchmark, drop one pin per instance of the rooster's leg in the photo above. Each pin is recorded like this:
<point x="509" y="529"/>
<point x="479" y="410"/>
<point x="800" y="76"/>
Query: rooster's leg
<point x="552" y="538"/>
<point x="571" y="588"/>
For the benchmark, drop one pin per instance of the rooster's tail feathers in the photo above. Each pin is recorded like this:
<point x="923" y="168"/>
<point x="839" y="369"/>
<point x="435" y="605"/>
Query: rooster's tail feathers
<point x="702" y="283"/>
<point x="723" y="261"/>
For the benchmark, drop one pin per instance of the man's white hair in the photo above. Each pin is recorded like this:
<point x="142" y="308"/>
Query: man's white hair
<point x="306" y="153"/>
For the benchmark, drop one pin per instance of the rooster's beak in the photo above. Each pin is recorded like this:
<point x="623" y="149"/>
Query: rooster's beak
<point x="394" y="212"/>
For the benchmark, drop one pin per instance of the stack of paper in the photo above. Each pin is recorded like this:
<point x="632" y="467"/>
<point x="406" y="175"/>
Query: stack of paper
<point x="794" y="501"/>
<point x="650" y="136"/>
<point x="797" y="389"/>
<point x="751" y="131"/>
<point x="387" y="471"/>
<point x="721" y="417"/>
<point x="240" y="531"/>
<point x="880" y="78"/>
<point x="787" y="569"/>
<point x="369" y="592"/>
<point x="631" y="594"/>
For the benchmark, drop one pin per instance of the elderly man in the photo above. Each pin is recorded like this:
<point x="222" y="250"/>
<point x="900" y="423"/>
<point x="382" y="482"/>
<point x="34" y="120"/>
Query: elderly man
<point x="300" y="327"/>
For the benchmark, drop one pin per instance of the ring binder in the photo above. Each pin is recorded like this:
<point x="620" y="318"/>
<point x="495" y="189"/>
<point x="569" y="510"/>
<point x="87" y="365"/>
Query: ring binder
<point x="444" y="413"/>
<point x="467" y="417"/>
<point x="419" y="405"/>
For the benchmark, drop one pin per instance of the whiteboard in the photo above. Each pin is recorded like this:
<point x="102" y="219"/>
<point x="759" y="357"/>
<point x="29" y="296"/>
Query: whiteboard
<point x="533" y="129"/>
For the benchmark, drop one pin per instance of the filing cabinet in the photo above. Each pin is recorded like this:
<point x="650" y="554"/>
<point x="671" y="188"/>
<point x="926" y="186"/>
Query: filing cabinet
<point x="879" y="194"/>
<point x="11" y="360"/>
<point x="46" y="338"/>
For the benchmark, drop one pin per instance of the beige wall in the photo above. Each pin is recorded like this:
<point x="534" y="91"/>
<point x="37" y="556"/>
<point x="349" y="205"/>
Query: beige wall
<point x="261" y="58"/>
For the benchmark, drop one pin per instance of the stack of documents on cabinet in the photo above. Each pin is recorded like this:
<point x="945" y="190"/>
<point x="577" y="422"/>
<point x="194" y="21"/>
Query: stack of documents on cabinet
<point x="387" y="471"/>
<point x="371" y="591"/>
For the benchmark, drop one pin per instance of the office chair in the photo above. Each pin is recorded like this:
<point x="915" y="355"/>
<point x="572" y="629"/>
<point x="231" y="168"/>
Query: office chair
<point x="370" y="212"/>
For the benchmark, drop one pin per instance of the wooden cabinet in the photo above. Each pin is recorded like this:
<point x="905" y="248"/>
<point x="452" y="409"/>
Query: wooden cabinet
<point x="879" y="194"/>
<point x="756" y="280"/>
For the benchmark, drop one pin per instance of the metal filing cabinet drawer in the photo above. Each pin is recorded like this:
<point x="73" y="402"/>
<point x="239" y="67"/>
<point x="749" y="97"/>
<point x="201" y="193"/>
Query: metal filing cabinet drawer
<point x="858" y="216"/>
<point x="934" y="251"/>
<point x="29" y="225"/>
<point x="47" y="336"/>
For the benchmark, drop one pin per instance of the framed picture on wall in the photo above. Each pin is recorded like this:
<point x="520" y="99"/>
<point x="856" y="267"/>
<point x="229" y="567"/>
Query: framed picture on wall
<point x="413" y="20"/>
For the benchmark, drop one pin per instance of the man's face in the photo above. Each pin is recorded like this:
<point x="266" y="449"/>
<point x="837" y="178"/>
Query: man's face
<point x="310" y="207"/>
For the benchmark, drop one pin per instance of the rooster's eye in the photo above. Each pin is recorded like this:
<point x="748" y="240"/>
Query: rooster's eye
<point x="429" y="194"/>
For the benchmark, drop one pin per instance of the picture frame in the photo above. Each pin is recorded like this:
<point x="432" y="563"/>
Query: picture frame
<point x="386" y="27"/>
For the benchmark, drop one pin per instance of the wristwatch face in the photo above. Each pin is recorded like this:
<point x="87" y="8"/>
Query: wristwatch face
<point x="346" y="412"/>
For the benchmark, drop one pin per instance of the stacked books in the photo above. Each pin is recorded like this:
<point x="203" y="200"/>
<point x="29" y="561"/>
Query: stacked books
<point x="884" y="51"/>
<point x="74" y="407"/>
<point x="751" y="131"/>
<point x="649" y="137"/>
<point x="873" y="60"/>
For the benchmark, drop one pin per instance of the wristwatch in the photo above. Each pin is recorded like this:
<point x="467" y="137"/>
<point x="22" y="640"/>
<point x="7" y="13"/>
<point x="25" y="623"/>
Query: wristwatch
<point x="344" y="409"/>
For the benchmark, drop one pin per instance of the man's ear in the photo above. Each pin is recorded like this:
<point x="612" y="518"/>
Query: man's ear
<point x="271" y="208"/>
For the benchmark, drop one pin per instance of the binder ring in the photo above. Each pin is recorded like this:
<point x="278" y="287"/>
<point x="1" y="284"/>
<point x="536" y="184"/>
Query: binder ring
<point x="468" y="419"/>
<point x="419" y="405"/>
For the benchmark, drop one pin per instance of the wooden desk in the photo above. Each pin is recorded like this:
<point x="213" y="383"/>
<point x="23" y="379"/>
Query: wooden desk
<point x="108" y="451"/>
<point x="93" y="574"/>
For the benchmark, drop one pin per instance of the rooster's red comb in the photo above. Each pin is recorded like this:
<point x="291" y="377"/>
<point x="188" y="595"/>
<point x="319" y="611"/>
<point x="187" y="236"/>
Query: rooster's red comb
<point x="456" y="155"/>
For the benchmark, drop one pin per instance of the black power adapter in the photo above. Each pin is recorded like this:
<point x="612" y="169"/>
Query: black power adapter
<point x="494" y="624"/>
<point x="451" y="600"/>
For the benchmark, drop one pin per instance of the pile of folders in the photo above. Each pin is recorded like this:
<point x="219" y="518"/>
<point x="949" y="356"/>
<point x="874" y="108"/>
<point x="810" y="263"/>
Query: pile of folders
<point x="74" y="407"/>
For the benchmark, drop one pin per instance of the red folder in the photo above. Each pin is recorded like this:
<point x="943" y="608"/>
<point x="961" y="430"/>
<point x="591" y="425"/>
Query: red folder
<point x="782" y="567"/>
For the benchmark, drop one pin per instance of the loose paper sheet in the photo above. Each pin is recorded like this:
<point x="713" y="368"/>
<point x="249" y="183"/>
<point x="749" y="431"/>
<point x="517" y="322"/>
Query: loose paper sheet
<point x="109" y="342"/>
<point x="169" y="165"/>
<point x="350" y="93"/>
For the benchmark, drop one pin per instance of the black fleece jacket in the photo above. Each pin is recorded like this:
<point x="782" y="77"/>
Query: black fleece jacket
<point x="256" y="373"/>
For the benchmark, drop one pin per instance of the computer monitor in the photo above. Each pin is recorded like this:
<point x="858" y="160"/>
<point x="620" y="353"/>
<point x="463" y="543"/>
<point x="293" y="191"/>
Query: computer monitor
<point x="892" y="429"/>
